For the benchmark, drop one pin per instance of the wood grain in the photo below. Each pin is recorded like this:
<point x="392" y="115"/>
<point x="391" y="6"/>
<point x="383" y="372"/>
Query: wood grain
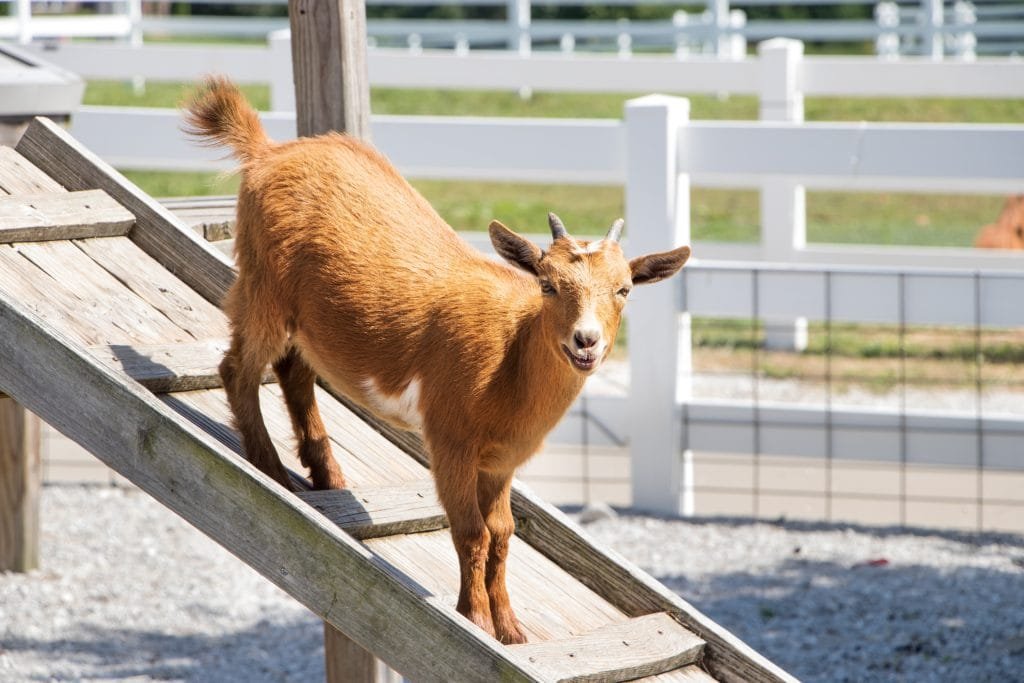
<point x="19" y="176"/>
<point x="62" y="215"/>
<point x="332" y="90"/>
<point x="152" y="283"/>
<point x="20" y="481"/>
<point x="381" y="511"/>
<point x="157" y="230"/>
<point x="643" y="646"/>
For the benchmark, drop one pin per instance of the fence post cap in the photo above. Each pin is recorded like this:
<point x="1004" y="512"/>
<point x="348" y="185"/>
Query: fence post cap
<point x="780" y="45"/>
<point x="659" y="100"/>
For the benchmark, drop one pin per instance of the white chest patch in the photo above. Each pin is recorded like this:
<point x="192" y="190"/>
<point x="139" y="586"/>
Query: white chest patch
<point x="402" y="408"/>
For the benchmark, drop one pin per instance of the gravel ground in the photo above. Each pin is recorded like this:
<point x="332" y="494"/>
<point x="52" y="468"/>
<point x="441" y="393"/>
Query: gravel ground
<point x="128" y="591"/>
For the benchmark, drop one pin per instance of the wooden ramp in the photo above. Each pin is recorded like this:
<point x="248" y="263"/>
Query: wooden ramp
<point x="111" y="332"/>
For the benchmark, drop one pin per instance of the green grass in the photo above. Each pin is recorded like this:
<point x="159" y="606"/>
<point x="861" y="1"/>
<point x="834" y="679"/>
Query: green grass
<point x="720" y="215"/>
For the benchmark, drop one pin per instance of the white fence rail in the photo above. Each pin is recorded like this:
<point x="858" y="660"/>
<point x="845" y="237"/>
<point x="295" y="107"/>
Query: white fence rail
<point x="929" y="27"/>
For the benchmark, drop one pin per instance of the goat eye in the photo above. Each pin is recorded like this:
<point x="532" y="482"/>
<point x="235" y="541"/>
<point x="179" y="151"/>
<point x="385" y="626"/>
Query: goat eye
<point x="624" y="292"/>
<point x="546" y="288"/>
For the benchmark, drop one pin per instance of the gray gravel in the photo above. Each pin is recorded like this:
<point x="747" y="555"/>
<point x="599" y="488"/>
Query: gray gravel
<point x="130" y="592"/>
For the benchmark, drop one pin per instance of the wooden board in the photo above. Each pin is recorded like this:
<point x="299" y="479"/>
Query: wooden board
<point x="116" y="312"/>
<point x="157" y="231"/>
<point x="550" y="605"/>
<point x="20" y="176"/>
<point x="643" y="646"/>
<point x="20" y="480"/>
<point x="165" y="368"/>
<point x="62" y="215"/>
<point x="152" y="283"/>
<point x="382" y="510"/>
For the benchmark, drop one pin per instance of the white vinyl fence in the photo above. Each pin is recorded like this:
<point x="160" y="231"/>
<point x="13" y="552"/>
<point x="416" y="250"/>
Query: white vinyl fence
<point x="657" y="153"/>
<point x="933" y="28"/>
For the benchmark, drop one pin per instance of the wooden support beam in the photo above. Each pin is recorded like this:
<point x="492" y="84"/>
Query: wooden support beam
<point x="19" y="487"/>
<point x="332" y="90"/>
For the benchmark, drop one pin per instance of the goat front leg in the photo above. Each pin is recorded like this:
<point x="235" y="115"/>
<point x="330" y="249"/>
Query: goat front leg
<point x="493" y="492"/>
<point x="297" y="381"/>
<point x="456" y="480"/>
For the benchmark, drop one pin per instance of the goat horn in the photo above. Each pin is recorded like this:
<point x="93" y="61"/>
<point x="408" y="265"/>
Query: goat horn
<point x="557" y="229"/>
<point x="615" y="231"/>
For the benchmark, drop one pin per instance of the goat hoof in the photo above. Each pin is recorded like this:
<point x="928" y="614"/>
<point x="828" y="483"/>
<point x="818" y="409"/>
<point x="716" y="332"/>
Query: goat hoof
<point x="507" y="630"/>
<point x="483" y="620"/>
<point x="331" y="481"/>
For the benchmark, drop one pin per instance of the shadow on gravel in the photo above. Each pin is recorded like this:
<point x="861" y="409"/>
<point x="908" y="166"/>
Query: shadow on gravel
<point x="290" y="650"/>
<point x="874" y="620"/>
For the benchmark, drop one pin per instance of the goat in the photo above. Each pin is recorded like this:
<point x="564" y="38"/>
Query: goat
<point x="1008" y="230"/>
<point x="347" y="273"/>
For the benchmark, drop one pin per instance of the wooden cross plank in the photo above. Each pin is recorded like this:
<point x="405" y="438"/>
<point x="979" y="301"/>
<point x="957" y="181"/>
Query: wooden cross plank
<point x="381" y="511"/>
<point x="166" y="368"/>
<point x="62" y="215"/>
<point x="642" y="646"/>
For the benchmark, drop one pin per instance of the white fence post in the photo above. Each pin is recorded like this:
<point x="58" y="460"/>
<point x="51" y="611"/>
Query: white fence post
<point x="23" y="10"/>
<point x="657" y="219"/>
<point x="519" y="26"/>
<point x="932" y="39"/>
<point x="282" y="84"/>
<point x="783" y="203"/>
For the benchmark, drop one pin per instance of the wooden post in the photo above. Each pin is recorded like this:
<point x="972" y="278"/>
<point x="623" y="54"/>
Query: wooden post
<point x="19" y="487"/>
<point x="332" y="92"/>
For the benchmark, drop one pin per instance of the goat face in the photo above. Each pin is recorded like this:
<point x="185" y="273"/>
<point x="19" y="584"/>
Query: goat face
<point x="583" y="286"/>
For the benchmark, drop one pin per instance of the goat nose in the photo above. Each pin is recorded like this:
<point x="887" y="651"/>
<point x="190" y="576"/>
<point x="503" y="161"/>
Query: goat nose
<point x="586" y="339"/>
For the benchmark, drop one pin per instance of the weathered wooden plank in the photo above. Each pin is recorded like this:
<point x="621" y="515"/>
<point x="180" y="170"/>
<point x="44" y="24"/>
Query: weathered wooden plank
<point x="62" y="215"/>
<point x="687" y="674"/>
<point x="549" y="603"/>
<point x="642" y="646"/>
<point x="19" y="176"/>
<point x="381" y="511"/>
<point x="345" y="660"/>
<point x="157" y="231"/>
<point x="115" y="310"/>
<point x="218" y="493"/>
<point x="332" y="90"/>
<point x="49" y="298"/>
<point x="632" y="589"/>
<point x="20" y="480"/>
<point x="606" y="572"/>
<point x="211" y="217"/>
<point x="164" y="368"/>
<point x="143" y="275"/>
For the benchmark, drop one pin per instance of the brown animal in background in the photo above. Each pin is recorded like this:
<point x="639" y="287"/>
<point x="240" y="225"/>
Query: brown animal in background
<point x="1008" y="230"/>
<point x="347" y="273"/>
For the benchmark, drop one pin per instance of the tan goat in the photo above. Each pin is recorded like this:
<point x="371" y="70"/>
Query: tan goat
<point x="347" y="273"/>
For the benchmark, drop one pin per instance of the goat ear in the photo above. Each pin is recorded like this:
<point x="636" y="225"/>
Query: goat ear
<point x="655" y="267"/>
<point x="515" y="249"/>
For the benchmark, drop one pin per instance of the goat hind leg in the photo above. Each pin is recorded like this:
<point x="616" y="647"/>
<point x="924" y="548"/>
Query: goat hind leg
<point x="242" y="373"/>
<point x="297" y="381"/>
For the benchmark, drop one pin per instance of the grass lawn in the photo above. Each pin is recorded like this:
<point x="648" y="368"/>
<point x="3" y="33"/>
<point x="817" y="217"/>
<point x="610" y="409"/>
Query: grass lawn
<point x="725" y="215"/>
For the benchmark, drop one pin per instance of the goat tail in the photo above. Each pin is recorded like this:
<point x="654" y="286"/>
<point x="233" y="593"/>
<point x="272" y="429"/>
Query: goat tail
<point x="218" y="114"/>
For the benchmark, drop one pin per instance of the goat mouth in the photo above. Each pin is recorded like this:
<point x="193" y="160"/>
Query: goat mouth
<point x="584" y="363"/>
